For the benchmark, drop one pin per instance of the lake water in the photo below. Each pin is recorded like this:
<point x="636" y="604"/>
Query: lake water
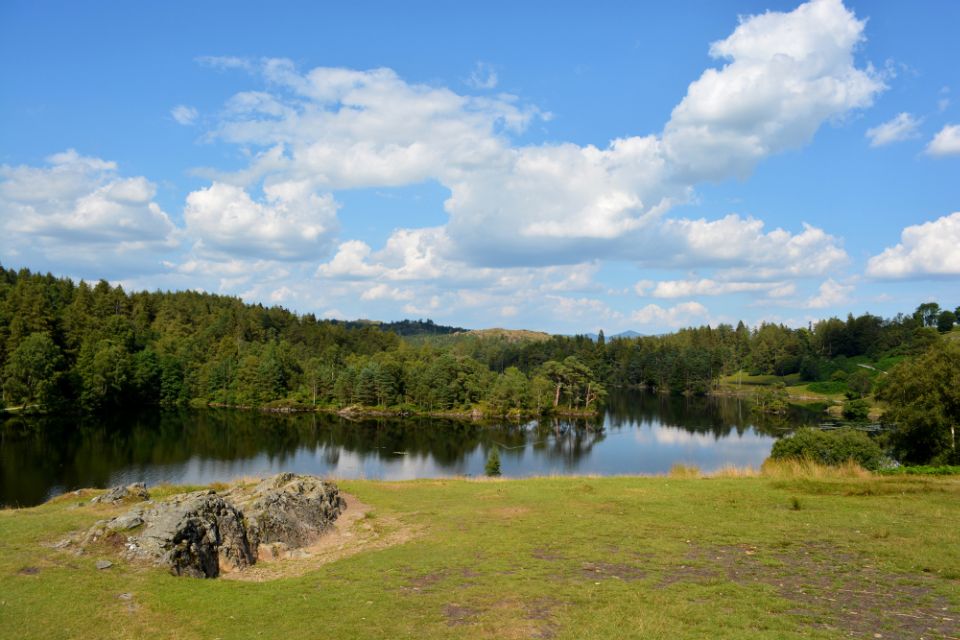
<point x="639" y="433"/>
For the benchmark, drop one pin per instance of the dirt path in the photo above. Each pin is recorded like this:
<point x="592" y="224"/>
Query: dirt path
<point x="357" y="530"/>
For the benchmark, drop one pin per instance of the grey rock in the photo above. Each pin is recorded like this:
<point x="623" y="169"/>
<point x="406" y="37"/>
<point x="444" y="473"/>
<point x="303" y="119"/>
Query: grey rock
<point x="103" y="564"/>
<point x="126" y="522"/>
<point x="197" y="534"/>
<point x="135" y="491"/>
<point x="191" y="534"/>
<point x="290" y="509"/>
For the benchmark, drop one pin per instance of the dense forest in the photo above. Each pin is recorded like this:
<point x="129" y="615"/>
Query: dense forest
<point x="97" y="347"/>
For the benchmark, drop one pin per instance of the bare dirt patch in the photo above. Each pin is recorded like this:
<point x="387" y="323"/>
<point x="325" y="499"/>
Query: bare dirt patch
<point x="357" y="530"/>
<point x="548" y="555"/>
<point x="526" y="618"/>
<point x="457" y="615"/>
<point x="833" y="589"/>
<point x="424" y="581"/>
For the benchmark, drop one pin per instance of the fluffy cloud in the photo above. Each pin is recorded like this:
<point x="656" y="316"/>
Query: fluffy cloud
<point x="292" y="223"/>
<point x="787" y="74"/>
<point x="76" y="201"/>
<point x="946" y="142"/>
<point x="385" y="292"/>
<point x="525" y="221"/>
<point x="683" y="314"/>
<point x="708" y="287"/>
<point x="784" y="75"/>
<point x="742" y="246"/>
<point x="928" y="249"/>
<point x="830" y="294"/>
<point x="342" y="128"/>
<point x="184" y="115"/>
<point x="902" y="127"/>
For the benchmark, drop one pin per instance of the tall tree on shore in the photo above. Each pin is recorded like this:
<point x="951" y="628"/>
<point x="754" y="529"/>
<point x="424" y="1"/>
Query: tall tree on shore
<point x="924" y="399"/>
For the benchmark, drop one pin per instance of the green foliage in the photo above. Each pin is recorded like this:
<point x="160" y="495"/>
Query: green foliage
<point x="32" y="372"/>
<point x="945" y="321"/>
<point x="922" y="470"/>
<point x="772" y="400"/>
<point x="829" y="387"/>
<point x="492" y="467"/>
<point x="923" y="395"/>
<point x="832" y="448"/>
<point x="859" y="383"/>
<point x="856" y="410"/>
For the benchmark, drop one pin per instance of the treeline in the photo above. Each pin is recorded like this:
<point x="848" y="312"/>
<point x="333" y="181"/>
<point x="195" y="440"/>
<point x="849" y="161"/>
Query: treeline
<point x="694" y="360"/>
<point x="97" y="347"/>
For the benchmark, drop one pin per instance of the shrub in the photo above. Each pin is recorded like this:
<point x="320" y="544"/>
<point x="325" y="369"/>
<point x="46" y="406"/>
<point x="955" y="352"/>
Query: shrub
<point x="832" y="448"/>
<point x="493" y="462"/>
<point x="856" y="410"/>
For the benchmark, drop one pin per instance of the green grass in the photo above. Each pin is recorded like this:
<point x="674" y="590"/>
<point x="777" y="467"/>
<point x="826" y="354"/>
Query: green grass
<point x="923" y="470"/>
<point x="785" y="555"/>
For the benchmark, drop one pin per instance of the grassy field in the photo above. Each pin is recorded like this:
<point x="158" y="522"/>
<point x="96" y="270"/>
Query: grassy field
<point x="788" y="554"/>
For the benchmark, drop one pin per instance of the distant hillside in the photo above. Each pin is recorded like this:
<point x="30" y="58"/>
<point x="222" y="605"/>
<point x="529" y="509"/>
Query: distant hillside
<point x="510" y="335"/>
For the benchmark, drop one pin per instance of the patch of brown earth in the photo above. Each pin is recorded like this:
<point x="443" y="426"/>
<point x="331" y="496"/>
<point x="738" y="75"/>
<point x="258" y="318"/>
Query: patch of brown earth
<point x="536" y="619"/>
<point x="457" y="615"/>
<point x="424" y="581"/>
<point x="352" y="533"/>
<point x="834" y="590"/>
<point x="548" y="555"/>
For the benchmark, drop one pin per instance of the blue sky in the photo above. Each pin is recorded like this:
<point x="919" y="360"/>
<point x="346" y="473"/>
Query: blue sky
<point x="567" y="168"/>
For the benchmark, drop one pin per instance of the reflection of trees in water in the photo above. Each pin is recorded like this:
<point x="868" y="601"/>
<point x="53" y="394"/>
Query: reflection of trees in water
<point x="699" y="414"/>
<point x="565" y="442"/>
<point x="39" y="453"/>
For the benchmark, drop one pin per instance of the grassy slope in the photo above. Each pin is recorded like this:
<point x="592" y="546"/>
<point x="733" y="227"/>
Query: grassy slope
<point x="553" y="557"/>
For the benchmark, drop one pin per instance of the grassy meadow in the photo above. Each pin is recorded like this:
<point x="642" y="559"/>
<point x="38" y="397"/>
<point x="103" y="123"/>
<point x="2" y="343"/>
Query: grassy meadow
<point x="793" y="552"/>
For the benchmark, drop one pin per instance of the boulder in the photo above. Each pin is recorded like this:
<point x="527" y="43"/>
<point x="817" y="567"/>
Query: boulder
<point x="135" y="491"/>
<point x="192" y="534"/>
<point x="289" y="509"/>
<point x="200" y="533"/>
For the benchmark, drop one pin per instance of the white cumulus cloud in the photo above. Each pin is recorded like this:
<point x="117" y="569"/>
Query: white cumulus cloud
<point x="291" y="223"/>
<point x="683" y="314"/>
<point x="946" y="142"/>
<point x="928" y="249"/>
<point x="830" y="294"/>
<point x="709" y="287"/>
<point x="787" y="74"/>
<point x="78" y="208"/>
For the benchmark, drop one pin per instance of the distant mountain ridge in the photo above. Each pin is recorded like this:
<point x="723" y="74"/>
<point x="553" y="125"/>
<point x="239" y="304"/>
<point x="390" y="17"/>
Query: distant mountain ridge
<point x="413" y="328"/>
<point x="510" y="335"/>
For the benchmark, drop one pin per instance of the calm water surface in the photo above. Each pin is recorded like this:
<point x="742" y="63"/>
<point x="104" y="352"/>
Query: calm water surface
<point x="639" y="433"/>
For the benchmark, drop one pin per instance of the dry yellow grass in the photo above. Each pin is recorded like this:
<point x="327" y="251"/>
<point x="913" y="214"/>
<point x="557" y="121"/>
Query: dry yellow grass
<point x="808" y="469"/>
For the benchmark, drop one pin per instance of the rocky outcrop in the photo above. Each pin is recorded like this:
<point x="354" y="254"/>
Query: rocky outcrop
<point x="201" y="533"/>
<point x="129" y="493"/>
<point x="289" y="509"/>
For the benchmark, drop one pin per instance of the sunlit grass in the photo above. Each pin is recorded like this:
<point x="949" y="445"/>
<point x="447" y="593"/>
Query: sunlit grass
<point x="685" y="555"/>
